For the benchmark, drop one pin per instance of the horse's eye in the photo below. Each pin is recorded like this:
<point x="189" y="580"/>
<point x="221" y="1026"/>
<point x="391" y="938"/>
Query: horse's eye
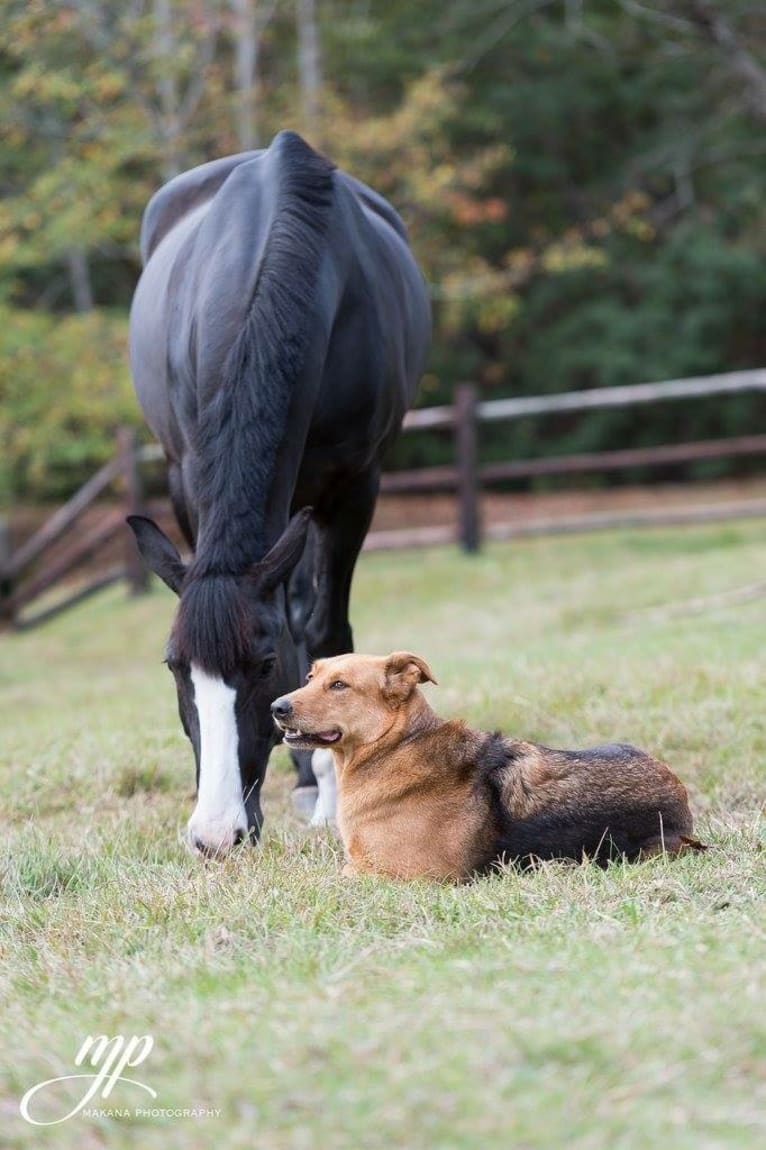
<point x="267" y="666"/>
<point x="338" y="685"/>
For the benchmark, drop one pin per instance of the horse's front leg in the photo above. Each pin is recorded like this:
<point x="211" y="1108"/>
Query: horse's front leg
<point x="342" y="521"/>
<point x="301" y="596"/>
<point x="314" y="795"/>
<point x="341" y="531"/>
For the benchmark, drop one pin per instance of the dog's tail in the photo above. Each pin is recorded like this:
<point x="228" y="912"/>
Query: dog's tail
<point x="693" y="844"/>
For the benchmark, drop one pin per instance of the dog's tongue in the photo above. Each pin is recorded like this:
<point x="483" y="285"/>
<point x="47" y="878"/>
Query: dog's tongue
<point x="329" y="736"/>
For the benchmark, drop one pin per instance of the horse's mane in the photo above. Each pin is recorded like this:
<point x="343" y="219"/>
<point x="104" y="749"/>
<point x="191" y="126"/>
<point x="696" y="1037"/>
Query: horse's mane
<point x="212" y="627"/>
<point x="240" y="430"/>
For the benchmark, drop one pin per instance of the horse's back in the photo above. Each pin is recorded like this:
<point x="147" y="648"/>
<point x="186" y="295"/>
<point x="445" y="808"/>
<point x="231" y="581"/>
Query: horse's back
<point x="205" y="237"/>
<point x="379" y="325"/>
<point x="170" y="294"/>
<point x="183" y="194"/>
<point x="153" y="322"/>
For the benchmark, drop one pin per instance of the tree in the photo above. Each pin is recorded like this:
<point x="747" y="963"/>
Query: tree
<point x="309" y="63"/>
<point x="251" y="18"/>
<point x="582" y="179"/>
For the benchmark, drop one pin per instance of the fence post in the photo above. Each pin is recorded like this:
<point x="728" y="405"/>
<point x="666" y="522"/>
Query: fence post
<point x="466" y="443"/>
<point x="6" y="582"/>
<point x="135" y="571"/>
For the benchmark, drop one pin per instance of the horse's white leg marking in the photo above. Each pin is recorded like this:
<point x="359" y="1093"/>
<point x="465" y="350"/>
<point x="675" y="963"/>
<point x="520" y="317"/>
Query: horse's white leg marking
<point x="323" y="766"/>
<point x="304" y="801"/>
<point x="219" y="816"/>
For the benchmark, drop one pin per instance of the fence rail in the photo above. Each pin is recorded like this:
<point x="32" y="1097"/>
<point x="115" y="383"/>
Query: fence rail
<point x="696" y="387"/>
<point x="24" y="577"/>
<point x="446" y="478"/>
<point x="467" y="478"/>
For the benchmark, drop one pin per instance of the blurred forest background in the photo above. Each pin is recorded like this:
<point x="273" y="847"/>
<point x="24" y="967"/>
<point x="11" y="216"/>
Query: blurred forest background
<point x="583" y="181"/>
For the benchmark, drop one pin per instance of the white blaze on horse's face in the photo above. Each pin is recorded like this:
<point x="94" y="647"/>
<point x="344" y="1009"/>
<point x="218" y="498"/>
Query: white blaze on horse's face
<point x="219" y="820"/>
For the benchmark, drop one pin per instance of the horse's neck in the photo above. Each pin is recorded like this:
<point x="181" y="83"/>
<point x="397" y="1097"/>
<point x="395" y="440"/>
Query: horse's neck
<point x="230" y="542"/>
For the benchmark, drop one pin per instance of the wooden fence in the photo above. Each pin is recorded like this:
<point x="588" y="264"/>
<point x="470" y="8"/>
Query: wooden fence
<point x="467" y="478"/>
<point x="25" y="575"/>
<point x="30" y="571"/>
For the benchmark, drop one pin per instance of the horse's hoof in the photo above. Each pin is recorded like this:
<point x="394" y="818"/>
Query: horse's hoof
<point x="322" y="818"/>
<point x="305" y="801"/>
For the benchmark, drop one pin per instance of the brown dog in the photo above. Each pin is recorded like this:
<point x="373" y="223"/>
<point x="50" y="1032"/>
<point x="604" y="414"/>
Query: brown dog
<point x="419" y="796"/>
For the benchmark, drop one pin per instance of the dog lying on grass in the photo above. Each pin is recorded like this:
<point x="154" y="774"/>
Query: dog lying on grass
<point x="419" y="796"/>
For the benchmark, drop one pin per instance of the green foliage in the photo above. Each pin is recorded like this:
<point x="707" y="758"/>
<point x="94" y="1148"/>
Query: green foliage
<point x="64" y="389"/>
<point x="582" y="184"/>
<point x="696" y="308"/>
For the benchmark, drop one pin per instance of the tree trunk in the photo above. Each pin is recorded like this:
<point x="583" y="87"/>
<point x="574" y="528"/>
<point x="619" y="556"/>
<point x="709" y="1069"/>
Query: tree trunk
<point x="246" y="73"/>
<point x="79" y="279"/>
<point x="713" y="25"/>
<point x="309" y="63"/>
<point x="167" y="86"/>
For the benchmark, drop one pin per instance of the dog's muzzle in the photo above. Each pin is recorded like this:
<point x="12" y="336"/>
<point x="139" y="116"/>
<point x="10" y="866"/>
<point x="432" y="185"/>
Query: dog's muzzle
<point x="295" y="736"/>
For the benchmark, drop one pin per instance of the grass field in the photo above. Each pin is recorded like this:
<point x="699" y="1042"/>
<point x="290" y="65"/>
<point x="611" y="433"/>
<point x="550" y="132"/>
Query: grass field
<point x="570" y="1007"/>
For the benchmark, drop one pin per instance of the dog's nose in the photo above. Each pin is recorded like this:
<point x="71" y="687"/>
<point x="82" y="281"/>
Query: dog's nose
<point x="281" y="708"/>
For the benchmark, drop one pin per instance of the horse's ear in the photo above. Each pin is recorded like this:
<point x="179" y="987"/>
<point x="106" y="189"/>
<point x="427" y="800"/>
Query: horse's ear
<point x="279" y="563"/>
<point x="158" y="552"/>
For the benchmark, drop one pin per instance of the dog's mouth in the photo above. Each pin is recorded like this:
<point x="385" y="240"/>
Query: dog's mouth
<point x="296" y="737"/>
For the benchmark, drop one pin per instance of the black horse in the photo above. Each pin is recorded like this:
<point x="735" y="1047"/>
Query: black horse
<point x="277" y="336"/>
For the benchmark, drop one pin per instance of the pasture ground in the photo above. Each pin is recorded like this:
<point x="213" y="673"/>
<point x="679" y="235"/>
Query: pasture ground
<point x="569" y="1007"/>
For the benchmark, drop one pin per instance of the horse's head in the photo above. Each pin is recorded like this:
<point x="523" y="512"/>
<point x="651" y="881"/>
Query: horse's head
<point x="231" y="652"/>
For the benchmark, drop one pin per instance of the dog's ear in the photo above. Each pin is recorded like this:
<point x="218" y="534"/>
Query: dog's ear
<point x="404" y="671"/>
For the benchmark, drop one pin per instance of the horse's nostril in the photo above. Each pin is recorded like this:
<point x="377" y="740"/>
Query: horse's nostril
<point x="281" y="708"/>
<point x="208" y="851"/>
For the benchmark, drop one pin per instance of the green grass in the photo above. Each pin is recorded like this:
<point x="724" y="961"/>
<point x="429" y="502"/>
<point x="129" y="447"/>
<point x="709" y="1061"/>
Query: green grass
<point x="569" y="1007"/>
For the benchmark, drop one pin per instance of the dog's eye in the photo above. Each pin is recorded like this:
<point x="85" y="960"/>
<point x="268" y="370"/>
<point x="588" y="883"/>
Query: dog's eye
<point x="267" y="666"/>
<point x="338" y="685"/>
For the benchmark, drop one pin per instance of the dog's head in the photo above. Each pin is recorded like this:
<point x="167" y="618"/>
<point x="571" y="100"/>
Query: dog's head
<point x="351" y="700"/>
